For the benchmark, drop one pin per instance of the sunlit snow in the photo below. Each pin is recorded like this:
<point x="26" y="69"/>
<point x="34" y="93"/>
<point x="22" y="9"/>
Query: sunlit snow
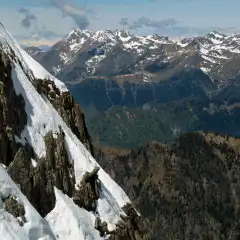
<point x="42" y="117"/>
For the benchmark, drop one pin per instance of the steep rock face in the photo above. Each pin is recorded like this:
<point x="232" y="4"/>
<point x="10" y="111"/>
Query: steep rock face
<point x="187" y="191"/>
<point x="37" y="178"/>
<point x="39" y="173"/>
<point x="52" y="171"/>
<point x="89" y="191"/>
<point x="69" y="110"/>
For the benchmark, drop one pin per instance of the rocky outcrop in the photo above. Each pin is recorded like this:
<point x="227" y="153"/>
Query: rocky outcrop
<point x="88" y="191"/>
<point x="37" y="182"/>
<point x="102" y="227"/>
<point x="69" y="110"/>
<point x="16" y="209"/>
<point x="131" y="226"/>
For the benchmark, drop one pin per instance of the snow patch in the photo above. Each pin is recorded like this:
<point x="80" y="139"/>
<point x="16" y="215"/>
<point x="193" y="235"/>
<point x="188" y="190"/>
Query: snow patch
<point x="34" y="163"/>
<point x="205" y="70"/>
<point x="40" y="72"/>
<point x="42" y="118"/>
<point x="71" y="222"/>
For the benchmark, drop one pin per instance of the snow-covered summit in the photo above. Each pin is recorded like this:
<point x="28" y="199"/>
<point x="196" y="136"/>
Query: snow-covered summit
<point x="123" y="34"/>
<point x="60" y="155"/>
<point x="210" y="53"/>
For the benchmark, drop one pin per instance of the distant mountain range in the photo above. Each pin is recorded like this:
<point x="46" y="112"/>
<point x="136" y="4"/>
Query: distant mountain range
<point x="147" y="56"/>
<point x="149" y="82"/>
<point x="53" y="184"/>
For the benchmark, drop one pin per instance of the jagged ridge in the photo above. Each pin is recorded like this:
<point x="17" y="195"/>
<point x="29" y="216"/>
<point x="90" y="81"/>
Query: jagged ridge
<point x="127" y="54"/>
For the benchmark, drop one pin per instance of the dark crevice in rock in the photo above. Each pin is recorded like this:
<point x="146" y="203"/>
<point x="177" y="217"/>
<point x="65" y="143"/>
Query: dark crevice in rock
<point x="13" y="117"/>
<point x="68" y="109"/>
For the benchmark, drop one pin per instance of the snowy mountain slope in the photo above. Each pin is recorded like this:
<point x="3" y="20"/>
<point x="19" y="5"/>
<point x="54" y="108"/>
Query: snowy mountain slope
<point x="127" y="53"/>
<point x="34" y="228"/>
<point x="79" y="222"/>
<point x="43" y="118"/>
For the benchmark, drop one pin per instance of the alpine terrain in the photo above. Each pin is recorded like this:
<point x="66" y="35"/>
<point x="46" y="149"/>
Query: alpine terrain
<point x="170" y="86"/>
<point x="154" y="88"/>
<point x="138" y="57"/>
<point x="51" y="187"/>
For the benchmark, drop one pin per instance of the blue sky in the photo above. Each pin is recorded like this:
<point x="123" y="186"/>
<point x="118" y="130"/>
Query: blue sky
<point x="165" y="17"/>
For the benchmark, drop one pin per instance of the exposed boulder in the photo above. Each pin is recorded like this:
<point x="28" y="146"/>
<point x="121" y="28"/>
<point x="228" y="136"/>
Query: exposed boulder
<point x="88" y="192"/>
<point x="131" y="227"/>
<point x="12" y="206"/>
<point x="101" y="227"/>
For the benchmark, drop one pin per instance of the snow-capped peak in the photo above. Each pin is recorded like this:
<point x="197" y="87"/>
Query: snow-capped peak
<point x="76" y="32"/>
<point x="123" y="34"/>
<point x="103" y="36"/>
<point x="76" y="38"/>
<point x="42" y="118"/>
<point x="216" y="37"/>
<point x="211" y="51"/>
<point x="217" y="34"/>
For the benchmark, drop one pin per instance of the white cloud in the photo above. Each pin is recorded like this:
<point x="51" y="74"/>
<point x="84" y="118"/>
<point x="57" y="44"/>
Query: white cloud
<point x="49" y="17"/>
<point x="108" y="16"/>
